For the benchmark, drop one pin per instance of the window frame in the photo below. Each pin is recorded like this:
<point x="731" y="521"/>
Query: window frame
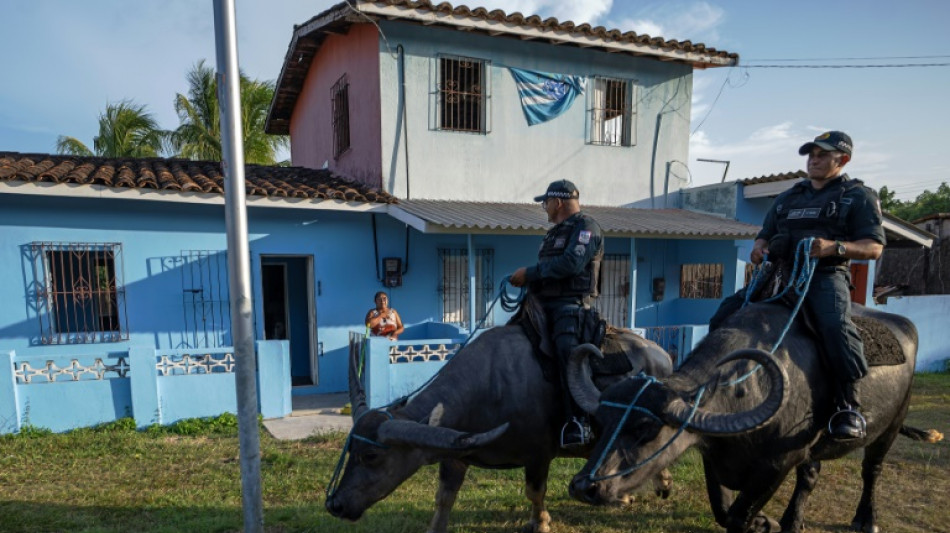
<point x="69" y="306"/>
<point x="441" y="94"/>
<point x="695" y="281"/>
<point x="598" y="108"/>
<point x="340" y="116"/>
<point x="614" y="300"/>
<point x="459" y="287"/>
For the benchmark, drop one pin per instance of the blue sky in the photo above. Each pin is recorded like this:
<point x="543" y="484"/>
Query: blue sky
<point x="63" y="61"/>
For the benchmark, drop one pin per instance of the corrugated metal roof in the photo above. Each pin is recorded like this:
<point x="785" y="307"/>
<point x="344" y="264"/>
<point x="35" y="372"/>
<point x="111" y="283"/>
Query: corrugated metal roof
<point x="796" y="175"/>
<point x="439" y="216"/>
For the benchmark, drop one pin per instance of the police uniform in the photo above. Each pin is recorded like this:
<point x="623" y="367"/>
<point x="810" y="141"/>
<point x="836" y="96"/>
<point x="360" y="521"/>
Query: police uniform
<point x="842" y="210"/>
<point x="566" y="276"/>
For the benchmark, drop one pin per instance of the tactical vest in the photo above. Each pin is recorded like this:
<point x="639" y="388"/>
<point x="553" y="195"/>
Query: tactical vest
<point x="824" y="216"/>
<point x="587" y="283"/>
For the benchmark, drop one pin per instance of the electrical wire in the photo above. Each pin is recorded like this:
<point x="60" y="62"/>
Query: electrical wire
<point x="881" y="58"/>
<point x="888" y="65"/>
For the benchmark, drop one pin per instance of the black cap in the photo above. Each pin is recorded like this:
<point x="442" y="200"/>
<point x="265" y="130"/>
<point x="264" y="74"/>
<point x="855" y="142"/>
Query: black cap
<point x="563" y="189"/>
<point x="833" y="141"/>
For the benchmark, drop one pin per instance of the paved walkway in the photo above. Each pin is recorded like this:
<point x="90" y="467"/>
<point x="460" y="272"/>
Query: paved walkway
<point x="312" y="415"/>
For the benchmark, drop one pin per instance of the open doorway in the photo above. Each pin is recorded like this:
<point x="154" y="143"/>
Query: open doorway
<point x="290" y="312"/>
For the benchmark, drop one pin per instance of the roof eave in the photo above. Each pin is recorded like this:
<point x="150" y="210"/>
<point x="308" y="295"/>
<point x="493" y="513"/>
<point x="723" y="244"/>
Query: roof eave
<point x="556" y="36"/>
<point x="297" y="60"/>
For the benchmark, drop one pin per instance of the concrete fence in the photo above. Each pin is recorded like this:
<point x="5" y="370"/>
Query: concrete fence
<point x="394" y="369"/>
<point x="64" y="392"/>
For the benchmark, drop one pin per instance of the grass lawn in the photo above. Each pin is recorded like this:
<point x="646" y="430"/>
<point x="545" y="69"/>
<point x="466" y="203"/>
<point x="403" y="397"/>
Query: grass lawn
<point x="187" y="478"/>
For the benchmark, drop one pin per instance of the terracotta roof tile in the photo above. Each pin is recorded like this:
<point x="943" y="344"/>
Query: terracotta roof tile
<point x="184" y="176"/>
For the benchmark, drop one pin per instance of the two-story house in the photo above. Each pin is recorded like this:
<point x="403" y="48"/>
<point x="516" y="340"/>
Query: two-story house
<point x="415" y="166"/>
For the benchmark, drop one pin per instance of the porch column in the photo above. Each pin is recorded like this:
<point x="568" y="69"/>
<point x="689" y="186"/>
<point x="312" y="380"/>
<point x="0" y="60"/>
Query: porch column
<point x="9" y="407"/>
<point x="632" y="291"/>
<point x="472" y="321"/>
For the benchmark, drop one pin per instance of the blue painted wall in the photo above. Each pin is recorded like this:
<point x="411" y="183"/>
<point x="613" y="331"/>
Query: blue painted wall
<point x="154" y="235"/>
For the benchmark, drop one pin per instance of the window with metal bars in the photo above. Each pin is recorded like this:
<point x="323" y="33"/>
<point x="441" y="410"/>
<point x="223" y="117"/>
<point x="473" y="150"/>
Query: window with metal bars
<point x="463" y="94"/>
<point x="80" y="296"/>
<point x="701" y="280"/>
<point x="341" y="116"/>
<point x="614" y="299"/>
<point x="454" y="285"/>
<point x="612" y="109"/>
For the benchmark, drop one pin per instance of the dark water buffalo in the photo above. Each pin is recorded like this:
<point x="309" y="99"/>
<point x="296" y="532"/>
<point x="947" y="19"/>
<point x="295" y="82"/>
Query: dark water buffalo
<point x="750" y="429"/>
<point x="490" y="407"/>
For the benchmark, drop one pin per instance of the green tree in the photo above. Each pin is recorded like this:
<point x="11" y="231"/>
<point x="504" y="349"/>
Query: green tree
<point x="889" y="201"/>
<point x="125" y="130"/>
<point x="926" y="203"/>
<point x="199" y="134"/>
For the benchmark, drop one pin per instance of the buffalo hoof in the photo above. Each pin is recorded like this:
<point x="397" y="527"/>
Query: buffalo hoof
<point x="864" y="528"/>
<point x="663" y="484"/>
<point x="534" y="527"/>
<point x="764" y="524"/>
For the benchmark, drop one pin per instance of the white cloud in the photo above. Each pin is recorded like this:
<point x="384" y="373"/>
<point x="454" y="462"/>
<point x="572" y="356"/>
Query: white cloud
<point x="694" y="21"/>
<point x="590" y="11"/>
<point x="769" y="150"/>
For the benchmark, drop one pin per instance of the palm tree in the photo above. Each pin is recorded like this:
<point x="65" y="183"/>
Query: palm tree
<point x="125" y="130"/>
<point x="199" y="134"/>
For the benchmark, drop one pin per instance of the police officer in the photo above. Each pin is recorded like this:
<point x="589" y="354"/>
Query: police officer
<point x="844" y="217"/>
<point x="566" y="281"/>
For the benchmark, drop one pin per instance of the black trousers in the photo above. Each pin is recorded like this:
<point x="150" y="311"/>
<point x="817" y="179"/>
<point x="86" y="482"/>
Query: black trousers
<point x="564" y="317"/>
<point x="828" y="301"/>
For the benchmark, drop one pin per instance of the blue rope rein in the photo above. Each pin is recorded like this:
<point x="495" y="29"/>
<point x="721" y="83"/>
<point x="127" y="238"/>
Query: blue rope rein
<point x="803" y="270"/>
<point x="629" y="408"/>
<point x="334" y="483"/>
<point x="509" y="303"/>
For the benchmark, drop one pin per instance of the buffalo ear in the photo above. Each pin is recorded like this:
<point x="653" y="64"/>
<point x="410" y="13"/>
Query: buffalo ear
<point x="414" y="434"/>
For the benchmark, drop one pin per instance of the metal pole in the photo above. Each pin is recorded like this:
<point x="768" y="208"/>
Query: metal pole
<point x="725" y="170"/>
<point x="239" y="267"/>
<point x="632" y="291"/>
<point x="472" y="319"/>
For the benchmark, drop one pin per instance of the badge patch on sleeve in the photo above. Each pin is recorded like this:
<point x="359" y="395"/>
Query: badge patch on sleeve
<point x="584" y="237"/>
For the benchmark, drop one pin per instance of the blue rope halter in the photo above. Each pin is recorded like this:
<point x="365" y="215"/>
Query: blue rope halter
<point x="509" y="303"/>
<point x="800" y="280"/>
<point x="628" y="408"/>
<point x="334" y="483"/>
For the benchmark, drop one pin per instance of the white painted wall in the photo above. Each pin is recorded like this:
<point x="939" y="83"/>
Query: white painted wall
<point x="929" y="313"/>
<point x="515" y="162"/>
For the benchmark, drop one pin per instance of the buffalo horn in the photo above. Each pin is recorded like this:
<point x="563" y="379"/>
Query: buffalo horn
<point x="357" y="394"/>
<point x="737" y="423"/>
<point x="579" y="380"/>
<point x="410" y="433"/>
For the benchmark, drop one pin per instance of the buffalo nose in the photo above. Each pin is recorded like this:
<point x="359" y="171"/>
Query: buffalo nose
<point x="334" y="507"/>
<point x="582" y="489"/>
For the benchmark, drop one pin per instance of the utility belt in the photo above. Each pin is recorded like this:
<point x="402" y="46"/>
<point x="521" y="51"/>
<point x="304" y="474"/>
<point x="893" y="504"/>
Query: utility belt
<point x="583" y="320"/>
<point x="828" y="269"/>
<point x="581" y="301"/>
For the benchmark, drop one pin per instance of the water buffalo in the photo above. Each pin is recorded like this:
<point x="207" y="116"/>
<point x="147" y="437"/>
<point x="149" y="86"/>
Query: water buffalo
<point x="752" y="424"/>
<point x="490" y="406"/>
